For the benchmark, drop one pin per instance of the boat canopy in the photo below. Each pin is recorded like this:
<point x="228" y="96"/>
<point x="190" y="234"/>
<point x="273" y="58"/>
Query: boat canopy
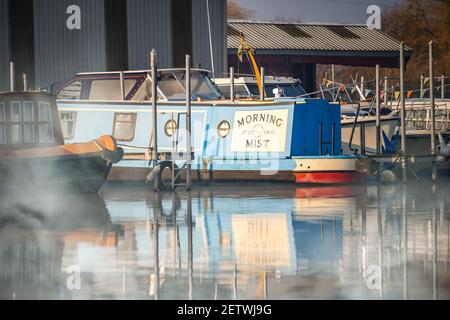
<point x="137" y="86"/>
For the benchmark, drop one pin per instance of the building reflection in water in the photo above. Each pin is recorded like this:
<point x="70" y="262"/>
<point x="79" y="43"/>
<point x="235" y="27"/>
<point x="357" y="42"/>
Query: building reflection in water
<point x="219" y="242"/>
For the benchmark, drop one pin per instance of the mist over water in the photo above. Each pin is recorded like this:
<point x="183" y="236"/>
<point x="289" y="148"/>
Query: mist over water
<point x="228" y="241"/>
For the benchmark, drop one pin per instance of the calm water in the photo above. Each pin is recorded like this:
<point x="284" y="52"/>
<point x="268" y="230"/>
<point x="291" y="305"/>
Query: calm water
<point x="264" y="241"/>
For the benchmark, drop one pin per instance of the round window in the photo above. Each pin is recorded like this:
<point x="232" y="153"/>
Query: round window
<point x="170" y="127"/>
<point x="223" y="128"/>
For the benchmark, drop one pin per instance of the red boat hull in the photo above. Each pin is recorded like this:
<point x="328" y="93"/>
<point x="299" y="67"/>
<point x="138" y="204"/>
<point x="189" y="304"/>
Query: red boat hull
<point x="330" y="177"/>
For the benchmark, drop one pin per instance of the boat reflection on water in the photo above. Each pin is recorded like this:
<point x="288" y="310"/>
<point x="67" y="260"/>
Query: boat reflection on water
<point x="40" y="233"/>
<point x="263" y="241"/>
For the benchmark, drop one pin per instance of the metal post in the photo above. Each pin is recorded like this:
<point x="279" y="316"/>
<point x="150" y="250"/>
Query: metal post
<point x="11" y="77"/>
<point x="386" y="100"/>
<point x="188" y="120"/>
<point x="122" y="86"/>
<point x="362" y="84"/>
<point x="377" y="101"/>
<point x="25" y="82"/>
<point x="442" y="87"/>
<point x="432" y="110"/>
<point x="232" y="84"/>
<point x="153" y="69"/>
<point x="421" y="85"/>
<point x="210" y="41"/>
<point x="402" y="110"/>
<point x="262" y="84"/>
<point x="190" y="246"/>
<point x="332" y="73"/>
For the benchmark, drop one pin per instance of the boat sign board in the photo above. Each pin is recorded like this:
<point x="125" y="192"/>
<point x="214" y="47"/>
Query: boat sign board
<point x="263" y="130"/>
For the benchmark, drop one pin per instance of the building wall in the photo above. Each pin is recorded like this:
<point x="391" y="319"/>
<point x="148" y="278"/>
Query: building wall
<point x="4" y="46"/>
<point x="60" y="52"/>
<point x="149" y="27"/>
<point x="200" y="34"/>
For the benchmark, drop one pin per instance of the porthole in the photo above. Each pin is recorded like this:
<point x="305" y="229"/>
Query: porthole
<point x="223" y="128"/>
<point x="170" y="127"/>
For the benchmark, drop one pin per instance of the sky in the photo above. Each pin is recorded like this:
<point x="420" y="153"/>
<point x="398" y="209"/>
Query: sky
<point x="335" y="11"/>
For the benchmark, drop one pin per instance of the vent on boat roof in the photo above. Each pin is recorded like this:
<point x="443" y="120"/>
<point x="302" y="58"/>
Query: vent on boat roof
<point x="232" y="31"/>
<point x="293" y="31"/>
<point x="343" y="32"/>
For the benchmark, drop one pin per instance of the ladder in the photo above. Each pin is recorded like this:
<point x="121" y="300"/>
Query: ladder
<point x="185" y="156"/>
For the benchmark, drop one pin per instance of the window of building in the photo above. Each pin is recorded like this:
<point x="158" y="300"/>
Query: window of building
<point x="71" y="92"/>
<point x="68" y="122"/>
<point x="45" y="123"/>
<point x="2" y="123"/>
<point x="109" y="89"/>
<point x="124" y="126"/>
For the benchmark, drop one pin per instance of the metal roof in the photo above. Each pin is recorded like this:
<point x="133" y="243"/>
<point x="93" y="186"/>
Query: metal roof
<point x="310" y="37"/>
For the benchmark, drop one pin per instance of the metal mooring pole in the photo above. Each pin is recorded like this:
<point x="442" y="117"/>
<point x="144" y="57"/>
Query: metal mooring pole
<point x="432" y="110"/>
<point x="25" y="82"/>
<point x="11" y="77"/>
<point x="122" y="87"/>
<point x="421" y="85"/>
<point x="377" y="101"/>
<point x="188" y="121"/>
<point x="154" y="75"/>
<point x="262" y="85"/>
<point x="402" y="110"/>
<point x="232" y="84"/>
<point x="442" y="87"/>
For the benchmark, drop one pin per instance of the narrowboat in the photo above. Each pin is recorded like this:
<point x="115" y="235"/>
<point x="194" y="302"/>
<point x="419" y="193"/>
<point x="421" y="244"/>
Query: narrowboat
<point x="32" y="150"/>
<point x="292" y="140"/>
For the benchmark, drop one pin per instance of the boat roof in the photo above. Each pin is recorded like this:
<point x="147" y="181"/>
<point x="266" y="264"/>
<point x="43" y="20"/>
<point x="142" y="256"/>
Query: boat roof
<point x="143" y="71"/>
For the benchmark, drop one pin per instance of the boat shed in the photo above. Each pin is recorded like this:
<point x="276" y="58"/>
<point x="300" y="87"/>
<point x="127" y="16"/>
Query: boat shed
<point x="51" y="40"/>
<point x="294" y="49"/>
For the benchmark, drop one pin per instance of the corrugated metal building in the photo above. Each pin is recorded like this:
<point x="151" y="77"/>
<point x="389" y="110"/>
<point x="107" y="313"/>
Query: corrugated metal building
<point x="294" y="49"/>
<point x="113" y="35"/>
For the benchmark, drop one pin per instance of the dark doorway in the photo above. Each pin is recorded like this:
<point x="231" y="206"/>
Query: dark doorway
<point x="21" y="35"/>
<point x="116" y="35"/>
<point x="181" y="15"/>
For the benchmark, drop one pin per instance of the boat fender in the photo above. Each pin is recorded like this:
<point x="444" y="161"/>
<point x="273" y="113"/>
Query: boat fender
<point x="153" y="174"/>
<point x="387" y="176"/>
<point x="112" y="156"/>
<point x="443" y="148"/>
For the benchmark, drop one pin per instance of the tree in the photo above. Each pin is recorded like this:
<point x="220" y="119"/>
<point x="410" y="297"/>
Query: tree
<point x="236" y="11"/>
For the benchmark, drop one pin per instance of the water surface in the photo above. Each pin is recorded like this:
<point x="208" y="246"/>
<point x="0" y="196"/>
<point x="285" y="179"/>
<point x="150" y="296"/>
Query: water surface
<point x="229" y="241"/>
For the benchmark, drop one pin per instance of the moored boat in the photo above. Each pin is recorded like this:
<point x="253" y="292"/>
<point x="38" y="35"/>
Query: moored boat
<point x="32" y="150"/>
<point x="230" y="140"/>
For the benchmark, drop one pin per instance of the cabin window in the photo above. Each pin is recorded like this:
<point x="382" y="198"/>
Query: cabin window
<point x="124" y="126"/>
<point x="239" y="91"/>
<point x="2" y="123"/>
<point x="110" y="89"/>
<point x="71" y="92"/>
<point x="22" y="127"/>
<point x="223" y="128"/>
<point x="68" y="121"/>
<point x="172" y="87"/>
<point x="170" y="127"/>
<point x="45" y="123"/>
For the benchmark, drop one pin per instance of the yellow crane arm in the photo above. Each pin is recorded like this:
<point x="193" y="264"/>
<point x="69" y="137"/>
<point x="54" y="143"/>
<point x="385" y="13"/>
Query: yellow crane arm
<point x="245" y="47"/>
